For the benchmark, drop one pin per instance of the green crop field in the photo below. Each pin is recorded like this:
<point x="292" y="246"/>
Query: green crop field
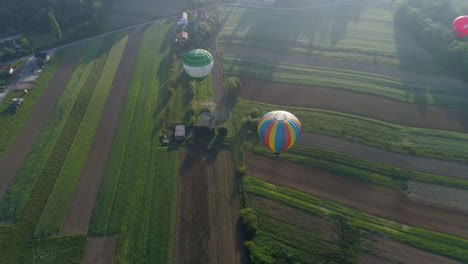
<point x="19" y="191"/>
<point x="137" y="197"/>
<point x="98" y="85"/>
<point x="361" y="82"/>
<point x="440" y="244"/>
<point x="422" y="142"/>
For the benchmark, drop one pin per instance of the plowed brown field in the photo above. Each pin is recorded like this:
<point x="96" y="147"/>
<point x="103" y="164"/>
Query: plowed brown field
<point x="433" y="166"/>
<point x="207" y="226"/>
<point x="390" y="251"/>
<point x="373" y="199"/>
<point x="13" y="159"/>
<point x="84" y="198"/>
<point x="375" y="107"/>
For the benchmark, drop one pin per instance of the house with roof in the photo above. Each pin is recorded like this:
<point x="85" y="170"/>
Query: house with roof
<point x="182" y="21"/>
<point x="182" y="38"/>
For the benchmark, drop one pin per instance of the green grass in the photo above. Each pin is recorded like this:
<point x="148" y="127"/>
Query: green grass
<point x="12" y="123"/>
<point x="19" y="191"/>
<point x="354" y="81"/>
<point x="99" y="83"/>
<point x="204" y="91"/>
<point x="437" y="243"/>
<point x="429" y="143"/>
<point x="137" y="197"/>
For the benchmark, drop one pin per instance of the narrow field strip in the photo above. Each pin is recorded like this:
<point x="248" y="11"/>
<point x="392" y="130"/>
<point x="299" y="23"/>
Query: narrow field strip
<point x="384" y="202"/>
<point x="137" y="197"/>
<point x="136" y="225"/>
<point x="437" y="144"/>
<point x="438" y="243"/>
<point x="376" y="107"/>
<point x="28" y="174"/>
<point x="395" y="84"/>
<point x="410" y="162"/>
<point x="384" y="250"/>
<point x="59" y="199"/>
<point x="82" y="204"/>
<point x="99" y="250"/>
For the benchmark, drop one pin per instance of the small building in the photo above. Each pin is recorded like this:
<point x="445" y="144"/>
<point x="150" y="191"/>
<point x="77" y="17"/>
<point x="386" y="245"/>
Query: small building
<point x="10" y="37"/>
<point x="179" y="134"/>
<point x="182" y="38"/>
<point x="7" y="68"/>
<point x="182" y="21"/>
<point x="41" y="58"/>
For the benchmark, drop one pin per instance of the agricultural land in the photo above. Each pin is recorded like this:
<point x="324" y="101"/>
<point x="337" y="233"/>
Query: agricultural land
<point x="91" y="172"/>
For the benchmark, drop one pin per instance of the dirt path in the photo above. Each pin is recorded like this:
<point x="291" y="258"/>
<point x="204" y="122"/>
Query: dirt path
<point x="84" y="199"/>
<point x="207" y="228"/>
<point x="373" y="199"/>
<point x="357" y="104"/>
<point x="409" y="77"/>
<point x="433" y="166"/>
<point x="14" y="157"/>
<point x="99" y="250"/>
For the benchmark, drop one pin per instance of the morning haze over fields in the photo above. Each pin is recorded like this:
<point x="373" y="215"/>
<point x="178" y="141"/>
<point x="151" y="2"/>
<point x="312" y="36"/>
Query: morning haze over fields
<point x="224" y="131"/>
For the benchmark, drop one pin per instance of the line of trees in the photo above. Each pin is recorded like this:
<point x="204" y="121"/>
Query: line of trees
<point x="68" y="18"/>
<point x="430" y="23"/>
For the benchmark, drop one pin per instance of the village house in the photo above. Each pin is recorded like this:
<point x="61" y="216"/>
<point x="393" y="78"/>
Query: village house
<point x="182" y="21"/>
<point x="182" y="38"/>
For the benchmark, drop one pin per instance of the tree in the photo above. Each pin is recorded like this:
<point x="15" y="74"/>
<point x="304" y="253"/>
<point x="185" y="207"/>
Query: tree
<point x="55" y="27"/>
<point x="249" y="221"/>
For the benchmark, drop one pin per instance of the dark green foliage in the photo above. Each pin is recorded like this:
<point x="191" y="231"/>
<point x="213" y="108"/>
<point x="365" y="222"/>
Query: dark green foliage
<point x="349" y="242"/>
<point x="429" y="23"/>
<point x="256" y="256"/>
<point x="232" y="87"/>
<point x="249" y="221"/>
<point x="75" y="17"/>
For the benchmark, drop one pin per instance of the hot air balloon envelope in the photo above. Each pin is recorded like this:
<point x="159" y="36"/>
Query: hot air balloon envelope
<point x="198" y="63"/>
<point x="279" y="130"/>
<point x="460" y="26"/>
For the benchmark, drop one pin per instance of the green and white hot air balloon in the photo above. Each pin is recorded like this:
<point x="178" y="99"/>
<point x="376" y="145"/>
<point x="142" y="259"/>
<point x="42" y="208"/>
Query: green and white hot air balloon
<point x="198" y="63"/>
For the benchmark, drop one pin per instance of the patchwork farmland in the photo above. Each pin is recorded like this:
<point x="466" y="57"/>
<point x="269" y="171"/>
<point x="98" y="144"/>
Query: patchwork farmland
<point x="85" y="179"/>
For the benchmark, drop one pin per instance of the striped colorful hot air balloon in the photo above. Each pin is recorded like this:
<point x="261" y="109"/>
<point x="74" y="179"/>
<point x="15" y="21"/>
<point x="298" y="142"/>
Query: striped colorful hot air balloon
<point x="279" y="130"/>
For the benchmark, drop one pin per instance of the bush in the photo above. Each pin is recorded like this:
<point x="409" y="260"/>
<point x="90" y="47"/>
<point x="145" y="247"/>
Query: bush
<point x="249" y="221"/>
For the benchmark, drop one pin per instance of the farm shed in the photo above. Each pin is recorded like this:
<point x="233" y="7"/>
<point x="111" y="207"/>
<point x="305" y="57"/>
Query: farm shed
<point x="179" y="134"/>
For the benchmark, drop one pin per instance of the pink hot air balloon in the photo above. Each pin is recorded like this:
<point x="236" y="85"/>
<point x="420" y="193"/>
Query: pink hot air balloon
<point x="460" y="26"/>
